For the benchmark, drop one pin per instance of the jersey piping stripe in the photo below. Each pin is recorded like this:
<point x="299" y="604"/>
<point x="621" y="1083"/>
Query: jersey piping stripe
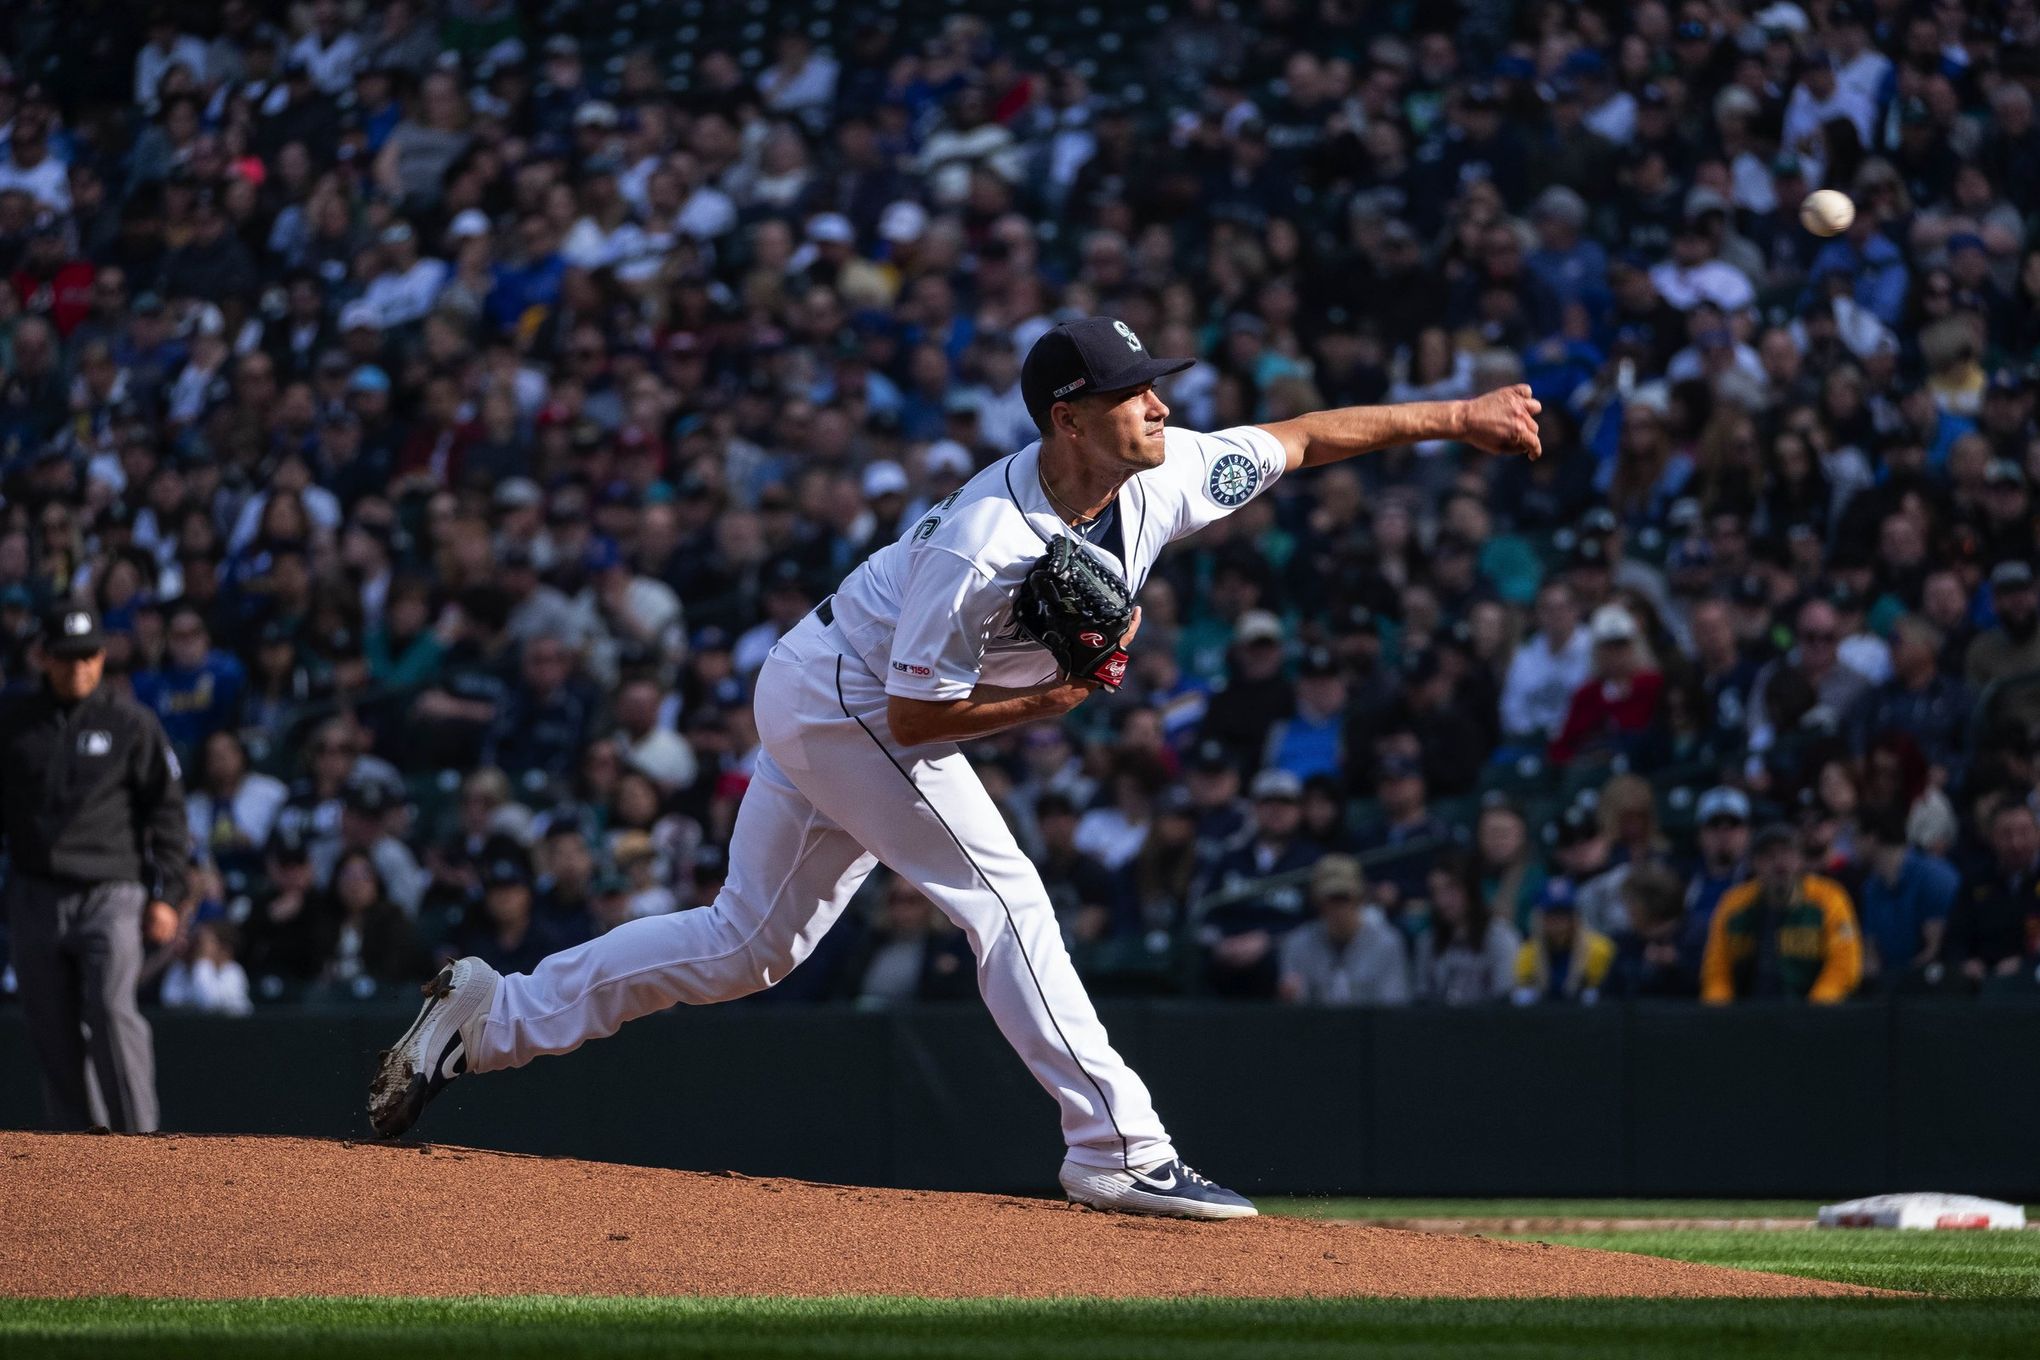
<point x="1105" y="1104"/>
<point x="1015" y="494"/>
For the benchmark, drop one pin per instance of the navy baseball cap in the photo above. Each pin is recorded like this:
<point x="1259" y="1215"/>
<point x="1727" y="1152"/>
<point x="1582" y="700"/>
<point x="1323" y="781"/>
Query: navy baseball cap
<point x="71" y="630"/>
<point x="1080" y="358"/>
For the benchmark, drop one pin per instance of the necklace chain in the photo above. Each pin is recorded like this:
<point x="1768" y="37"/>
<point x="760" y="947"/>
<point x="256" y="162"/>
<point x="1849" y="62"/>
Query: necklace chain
<point x="1080" y="520"/>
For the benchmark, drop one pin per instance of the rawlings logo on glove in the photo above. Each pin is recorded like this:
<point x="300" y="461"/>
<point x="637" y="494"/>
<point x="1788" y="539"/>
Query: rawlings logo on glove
<point x="1078" y="609"/>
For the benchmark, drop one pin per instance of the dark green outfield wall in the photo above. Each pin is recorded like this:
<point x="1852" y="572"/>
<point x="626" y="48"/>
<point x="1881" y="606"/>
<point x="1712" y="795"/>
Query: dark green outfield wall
<point x="1905" y="1095"/>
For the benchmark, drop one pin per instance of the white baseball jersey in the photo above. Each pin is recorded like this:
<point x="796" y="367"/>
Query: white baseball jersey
<point x="932" y="614"/>
<point x="834" y="794"/>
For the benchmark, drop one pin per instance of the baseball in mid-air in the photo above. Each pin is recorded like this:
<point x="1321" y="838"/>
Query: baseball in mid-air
<point x="1827" y="212"/>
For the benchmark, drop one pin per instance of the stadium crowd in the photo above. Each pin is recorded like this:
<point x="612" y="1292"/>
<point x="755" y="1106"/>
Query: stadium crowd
<point x="446" y="403"/>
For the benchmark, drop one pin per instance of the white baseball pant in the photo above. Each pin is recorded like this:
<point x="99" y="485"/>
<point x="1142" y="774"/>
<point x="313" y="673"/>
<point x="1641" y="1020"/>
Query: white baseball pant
<point x="832" y="796"/>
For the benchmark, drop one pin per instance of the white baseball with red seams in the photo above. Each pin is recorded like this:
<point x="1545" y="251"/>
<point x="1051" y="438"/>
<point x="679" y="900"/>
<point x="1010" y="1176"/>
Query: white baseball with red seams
<point x="928" y="617"/>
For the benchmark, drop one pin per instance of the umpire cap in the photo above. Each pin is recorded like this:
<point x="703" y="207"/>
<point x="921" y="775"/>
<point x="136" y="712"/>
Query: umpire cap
<point x="71" y="630"/>
<point x="1079" y="358"/>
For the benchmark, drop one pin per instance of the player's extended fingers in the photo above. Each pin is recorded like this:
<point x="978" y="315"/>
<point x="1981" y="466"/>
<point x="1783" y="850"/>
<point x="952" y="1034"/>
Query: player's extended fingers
<point x="1131" y="629"/>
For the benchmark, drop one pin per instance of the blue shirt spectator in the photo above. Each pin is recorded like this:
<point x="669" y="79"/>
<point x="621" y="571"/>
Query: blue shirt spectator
<point x="1903" y="903"/>
<point x="1879" y="271"/>
<point x="1312" y="740"/>
<point x="199" y="690"/>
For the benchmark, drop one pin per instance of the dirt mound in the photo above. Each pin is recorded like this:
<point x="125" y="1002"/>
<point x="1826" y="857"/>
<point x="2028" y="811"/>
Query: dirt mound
<point x="248" y="1217"/>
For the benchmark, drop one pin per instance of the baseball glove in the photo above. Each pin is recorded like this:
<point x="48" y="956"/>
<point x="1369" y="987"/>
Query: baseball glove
<point x="1078" y="609"/>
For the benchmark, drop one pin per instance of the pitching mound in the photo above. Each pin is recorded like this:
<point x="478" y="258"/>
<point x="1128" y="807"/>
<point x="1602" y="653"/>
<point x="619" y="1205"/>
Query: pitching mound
<point x="199" y="1217"/>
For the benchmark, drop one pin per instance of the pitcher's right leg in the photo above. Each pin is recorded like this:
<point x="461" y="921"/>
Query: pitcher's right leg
<point x="792" y="871"/>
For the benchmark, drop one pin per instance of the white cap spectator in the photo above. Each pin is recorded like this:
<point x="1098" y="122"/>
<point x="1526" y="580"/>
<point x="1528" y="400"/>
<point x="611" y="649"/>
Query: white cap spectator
<point x="1257" y="625"/>
<point x="1722" y="801"/>
<point x="359" y="315"/>
<point x="1613" y="623"/>
<point x="946" y="455"/>
<point x="884" y="478"/>
<point x="468" y="222"/>
<point x="1270" y="784"/>
<point x="518" y="493"/>
<point x="903" y="223"/>
<point x="831" y="229"/>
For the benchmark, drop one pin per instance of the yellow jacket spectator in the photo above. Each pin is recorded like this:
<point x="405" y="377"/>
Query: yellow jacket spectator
<point x="1783" y="933"/>
<point x="1564" y="959"/>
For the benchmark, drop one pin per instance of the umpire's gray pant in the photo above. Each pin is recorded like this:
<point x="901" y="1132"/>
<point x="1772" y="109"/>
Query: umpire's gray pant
<point x="77" y="955"/>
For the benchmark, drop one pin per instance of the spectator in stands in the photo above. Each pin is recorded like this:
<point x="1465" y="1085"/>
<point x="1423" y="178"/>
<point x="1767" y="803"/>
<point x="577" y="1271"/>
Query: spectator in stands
<point x="1255" y="694"/>
<point x="1350" y="955"/>
<point x="507" y="931"/>
<point x="281" y="941"/>
<point x="1657" y="952"/>
<point x="1895" y="771"/>
<point x="1507" y="872"/>
<point x="1310" y="741"/>
<point x="1451" y="737"/>
<point x="207" y="977"/>
<point x="364" y="939"/>
<point x="2013" y="646"/>
<point x="911" y="954"/>
<point x="1808" y="686"/>
<point x="1616" y="705"/>
<point x="1548" y="668"/>
<point x="1080" y="887"/>
<point x="1995" y="920"/>
<point x="565" y="361"/>
<point x="1903" y="902"/>
<point x="368" y="808"/>
<point x="1114" y="832"/>
<point x="484" y="815"/>
<point x="231" y="807"/>
<point x="1563" y="960"/>
<point x="198" y="690"/>
<point x="1157" y="886"/>
<point x="544" y="720"/>
<point x="331" y="759"/>
<point x="1467" y="955"/>
<point x="1239" y="936"/>
<point x="1917" y="700"/>
<point x="648" y="744"/>
<point x="1722" y="819"/>
<point x="1784" y="933"/>
<point x="564" y="891"/>
<point x="1406" y="827"/>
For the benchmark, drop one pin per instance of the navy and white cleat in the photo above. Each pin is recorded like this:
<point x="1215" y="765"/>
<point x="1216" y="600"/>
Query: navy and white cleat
<point x="433" y="1050"/>
<point x="1167" y="1189"/>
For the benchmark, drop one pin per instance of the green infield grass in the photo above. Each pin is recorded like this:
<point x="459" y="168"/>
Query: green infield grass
<point x="1981" y="1298"/>
<point x="787" y="1329"/>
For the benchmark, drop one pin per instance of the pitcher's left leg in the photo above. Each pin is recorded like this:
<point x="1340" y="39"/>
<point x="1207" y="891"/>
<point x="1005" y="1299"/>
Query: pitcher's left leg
<point x="943" y="833"/>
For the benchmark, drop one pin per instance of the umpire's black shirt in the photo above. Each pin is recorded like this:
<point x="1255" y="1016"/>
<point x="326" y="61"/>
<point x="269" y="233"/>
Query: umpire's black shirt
<point x="91" y="792"/>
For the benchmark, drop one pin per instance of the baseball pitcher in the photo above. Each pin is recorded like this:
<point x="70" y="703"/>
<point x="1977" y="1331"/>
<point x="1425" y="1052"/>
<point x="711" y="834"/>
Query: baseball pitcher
<point x="1008" y="603"/>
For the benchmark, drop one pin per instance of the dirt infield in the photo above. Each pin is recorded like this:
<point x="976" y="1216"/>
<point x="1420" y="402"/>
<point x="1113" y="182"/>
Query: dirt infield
<point x="203" y="1217"/>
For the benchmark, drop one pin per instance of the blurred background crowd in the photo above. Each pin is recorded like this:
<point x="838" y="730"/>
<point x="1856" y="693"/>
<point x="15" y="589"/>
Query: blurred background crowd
<point x="447" y="402"/>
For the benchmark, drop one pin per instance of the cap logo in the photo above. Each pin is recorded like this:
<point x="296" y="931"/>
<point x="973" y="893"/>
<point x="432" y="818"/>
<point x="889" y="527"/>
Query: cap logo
<point x="77" y="623"/>
<point x="1069" y="387"/>
<point x="1126" y="334"/>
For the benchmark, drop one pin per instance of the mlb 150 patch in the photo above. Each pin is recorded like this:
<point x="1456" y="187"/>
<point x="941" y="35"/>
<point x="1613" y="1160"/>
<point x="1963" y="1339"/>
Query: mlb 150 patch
<point x="1233" y="479"/>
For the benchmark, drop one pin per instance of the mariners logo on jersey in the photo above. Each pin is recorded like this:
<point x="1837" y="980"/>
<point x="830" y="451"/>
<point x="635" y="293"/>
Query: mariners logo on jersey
<point x="1232" y="480"/>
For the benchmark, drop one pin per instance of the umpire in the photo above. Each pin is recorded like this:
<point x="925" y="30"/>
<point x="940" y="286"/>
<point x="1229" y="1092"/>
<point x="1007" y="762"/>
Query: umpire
<point x="93" y="817"/>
